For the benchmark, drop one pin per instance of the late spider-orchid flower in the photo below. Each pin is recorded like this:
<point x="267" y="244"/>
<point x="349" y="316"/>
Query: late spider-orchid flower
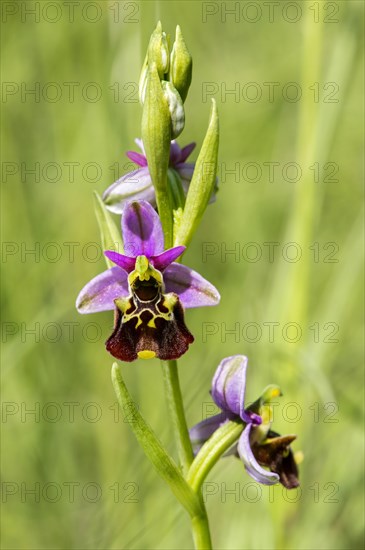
<point x="258" y="446"/>
<point x="147" y="290"/>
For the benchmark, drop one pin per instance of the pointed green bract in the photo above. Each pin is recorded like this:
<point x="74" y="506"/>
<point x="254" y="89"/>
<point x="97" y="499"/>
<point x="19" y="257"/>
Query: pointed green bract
<point x="222" y="439"/>
<point x="156" y="136"/>
<point x="154" y="450"/>
<point x="110" y="236"/>
<point x="202" y="183"/>
<point x="143" y="80"/>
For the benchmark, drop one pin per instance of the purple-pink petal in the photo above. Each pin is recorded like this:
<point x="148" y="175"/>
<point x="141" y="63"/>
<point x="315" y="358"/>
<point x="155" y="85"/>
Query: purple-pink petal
<point x="135" y="185"/>
<point x="186" y="151"/>
<point x="99" y="294"/>
<point x="125" y="262"/>
<point x="253" y="468"/>
<point x="192" y="289"/>
<point x="141" y="230"/>
<point x="163" y="260"/>
<point x="137" y="158"/>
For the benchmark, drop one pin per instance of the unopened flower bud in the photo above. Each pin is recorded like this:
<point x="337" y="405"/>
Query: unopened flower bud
<point x="176" y="108"/>
<point x="158" y="51"/>
<point x="181" y="65"/>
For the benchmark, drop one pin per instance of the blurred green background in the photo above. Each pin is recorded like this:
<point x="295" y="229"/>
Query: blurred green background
<point x="92" y="486"/>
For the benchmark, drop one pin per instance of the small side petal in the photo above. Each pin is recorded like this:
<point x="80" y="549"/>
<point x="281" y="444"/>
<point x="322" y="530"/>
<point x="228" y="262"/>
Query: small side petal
<point x="192" y="289"/>
<point x="99" y="294"/>
<point x="186" y="151"/>
<point x="253" y="468"/>
<point x="141" y="229"/>
<point x="137" y="158"/>
<point x="136" y="185"/>
<point x="125" y="262"/>
<point x="163" y="260"/>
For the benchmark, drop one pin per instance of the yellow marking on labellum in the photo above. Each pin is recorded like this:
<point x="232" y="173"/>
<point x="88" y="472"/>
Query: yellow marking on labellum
<point x="151" y="323"/>
<point x="139" y="322"/>
<point x="146" y="354"/>
<point x="170" y="301"/>
<point x="122" y="304"/>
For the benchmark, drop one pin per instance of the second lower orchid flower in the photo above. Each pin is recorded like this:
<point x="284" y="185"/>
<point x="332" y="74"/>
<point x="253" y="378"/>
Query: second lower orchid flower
<point x="266" y="455"/>
<point x="147" y="290"/>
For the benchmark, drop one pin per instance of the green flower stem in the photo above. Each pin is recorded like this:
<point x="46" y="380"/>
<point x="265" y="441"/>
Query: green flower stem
<point x="201" y="532"/>
<point x="199" y="522"/>
<point x="164" y="210"/>
<point x="176" y="407"/>
<point x="155" y="452"/>
<point x="212" y="450"/>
